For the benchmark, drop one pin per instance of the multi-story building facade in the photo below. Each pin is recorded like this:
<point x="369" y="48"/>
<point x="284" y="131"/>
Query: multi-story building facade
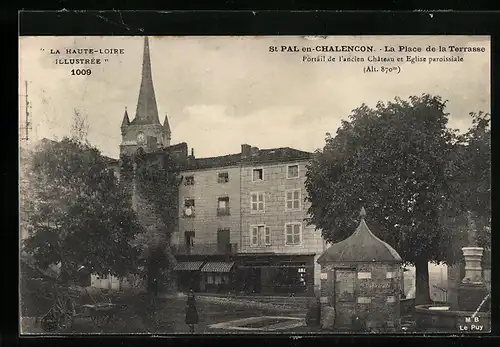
<point x="277" y="246"/>
<point x="241" y="225"/>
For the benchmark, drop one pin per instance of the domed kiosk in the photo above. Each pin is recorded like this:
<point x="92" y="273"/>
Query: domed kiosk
<point x="363" y="282"/>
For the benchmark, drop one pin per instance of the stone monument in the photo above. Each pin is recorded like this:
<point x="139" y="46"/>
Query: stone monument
<point x="472" y="289"/>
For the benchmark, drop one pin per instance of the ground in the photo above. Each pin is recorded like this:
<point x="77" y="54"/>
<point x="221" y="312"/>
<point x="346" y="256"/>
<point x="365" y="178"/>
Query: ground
<point x="144" y="314"/>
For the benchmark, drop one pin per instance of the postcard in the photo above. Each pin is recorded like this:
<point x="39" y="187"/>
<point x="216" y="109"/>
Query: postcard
<point x="175" y="185"/>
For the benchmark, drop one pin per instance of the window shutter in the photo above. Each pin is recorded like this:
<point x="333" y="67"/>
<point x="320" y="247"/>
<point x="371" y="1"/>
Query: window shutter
<point x="267" y="237"/>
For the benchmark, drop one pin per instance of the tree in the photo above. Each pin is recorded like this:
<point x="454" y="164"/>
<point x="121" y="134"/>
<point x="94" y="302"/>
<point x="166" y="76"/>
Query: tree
<point x="470" y="169"/>
<point x="78" y="213"/>
<point x="157" y="182"/>
<point x="391" y="160"/>
<point x="79" y="126"/>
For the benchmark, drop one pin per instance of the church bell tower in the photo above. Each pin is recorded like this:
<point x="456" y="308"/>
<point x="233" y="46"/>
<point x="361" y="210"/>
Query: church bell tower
<point x="145" y="130"/>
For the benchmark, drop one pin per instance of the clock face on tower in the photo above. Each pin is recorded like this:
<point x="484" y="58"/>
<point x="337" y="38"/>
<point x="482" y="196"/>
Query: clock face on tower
<point x="141" y="138"/>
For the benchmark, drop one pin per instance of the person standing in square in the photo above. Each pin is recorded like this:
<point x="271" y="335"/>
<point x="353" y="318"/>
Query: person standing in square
<point x="191" y="312"/>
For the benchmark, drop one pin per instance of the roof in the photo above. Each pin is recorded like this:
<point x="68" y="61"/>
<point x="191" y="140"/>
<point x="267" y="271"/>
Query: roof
<point x="258" y="156"/>
<point x="213" y="162"/>
<point x="277" y="155"/>
<point x="361" y="246"/>
<point x="188" y="265"/>
<point x="262" y="156"/>
<point x="218" y="266"/>
<point x="147" y="110"/>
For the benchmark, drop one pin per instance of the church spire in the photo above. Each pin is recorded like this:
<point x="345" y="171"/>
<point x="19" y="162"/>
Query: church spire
<point x="147" y="111"/>
<point x="166" y="125"/>
<point x="126" y="120"/>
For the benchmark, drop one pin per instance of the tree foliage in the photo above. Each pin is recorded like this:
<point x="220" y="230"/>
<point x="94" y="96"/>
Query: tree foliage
<point x="78" y="213"/>
<point x="471" y="170"/>
<point x="393" y="161"/>
<point x="156" y="179"/>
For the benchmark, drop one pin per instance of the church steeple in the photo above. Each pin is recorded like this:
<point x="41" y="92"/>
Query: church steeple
<point x="147" y="111"/>
<point x="145" y="131"/>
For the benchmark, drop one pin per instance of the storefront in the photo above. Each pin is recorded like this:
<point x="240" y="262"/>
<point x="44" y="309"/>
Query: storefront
<point x="277" y="275"/>
<point x="188" y="275"/>
<point x="218" y="277"/>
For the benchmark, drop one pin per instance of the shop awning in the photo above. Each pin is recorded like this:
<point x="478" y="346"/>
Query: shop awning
<point x="188" y="266"/>
<point x="219" y="266"/>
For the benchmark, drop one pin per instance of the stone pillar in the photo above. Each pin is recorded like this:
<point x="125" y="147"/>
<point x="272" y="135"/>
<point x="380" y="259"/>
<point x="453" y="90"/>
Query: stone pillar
<point x="472" y="289"/>
<point x="473" y="270"/>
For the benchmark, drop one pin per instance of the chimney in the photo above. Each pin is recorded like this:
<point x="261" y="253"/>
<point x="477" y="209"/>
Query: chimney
<point x="192" y="152"/>
<point x="245" y="150"/>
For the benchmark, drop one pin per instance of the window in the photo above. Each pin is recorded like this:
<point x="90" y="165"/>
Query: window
<point x="293" y="233"/>
<point x="223" y="177"/>
<point x="217" y="279"/>
<point x="267" y="236"/>
<point x="293" y="199"/>
<point x="189" y="181"/>
<point x="292" y="171"/>
<point x="390" y="275"/>
<point x="188" y="208"/>
<point x="224" y="241"/>
<point x="210" y="279"/>
<point x="223" y="206"/>
<point x="189" y="239"/>
<point x="260" y="234"/>
<point x="257" y="202"/>
<point x="255" y="236"/>
<point x="223" y="202"/>
<point x="257" y="175"/>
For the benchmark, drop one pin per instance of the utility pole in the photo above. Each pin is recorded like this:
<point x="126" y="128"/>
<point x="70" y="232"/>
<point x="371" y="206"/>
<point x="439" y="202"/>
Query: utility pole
<point x="27" y="121"/>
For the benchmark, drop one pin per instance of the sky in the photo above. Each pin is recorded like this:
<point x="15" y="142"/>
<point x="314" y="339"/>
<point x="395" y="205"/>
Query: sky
<point x="221" y="92"/>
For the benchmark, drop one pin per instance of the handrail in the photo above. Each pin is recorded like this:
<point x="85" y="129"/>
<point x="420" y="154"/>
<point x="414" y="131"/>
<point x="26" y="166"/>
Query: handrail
<point x="442" y="289"/>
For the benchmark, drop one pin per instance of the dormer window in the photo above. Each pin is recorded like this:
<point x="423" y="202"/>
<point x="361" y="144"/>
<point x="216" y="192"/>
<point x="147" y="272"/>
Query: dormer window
<point x="189" y="180"/>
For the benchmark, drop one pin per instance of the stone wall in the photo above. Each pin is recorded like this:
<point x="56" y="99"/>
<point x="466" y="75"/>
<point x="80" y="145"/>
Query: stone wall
<point x="129" y="143"/>
<point x="206" y="191"/>
<point x="274" y="186"/>
<point x="377" y="296"/>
